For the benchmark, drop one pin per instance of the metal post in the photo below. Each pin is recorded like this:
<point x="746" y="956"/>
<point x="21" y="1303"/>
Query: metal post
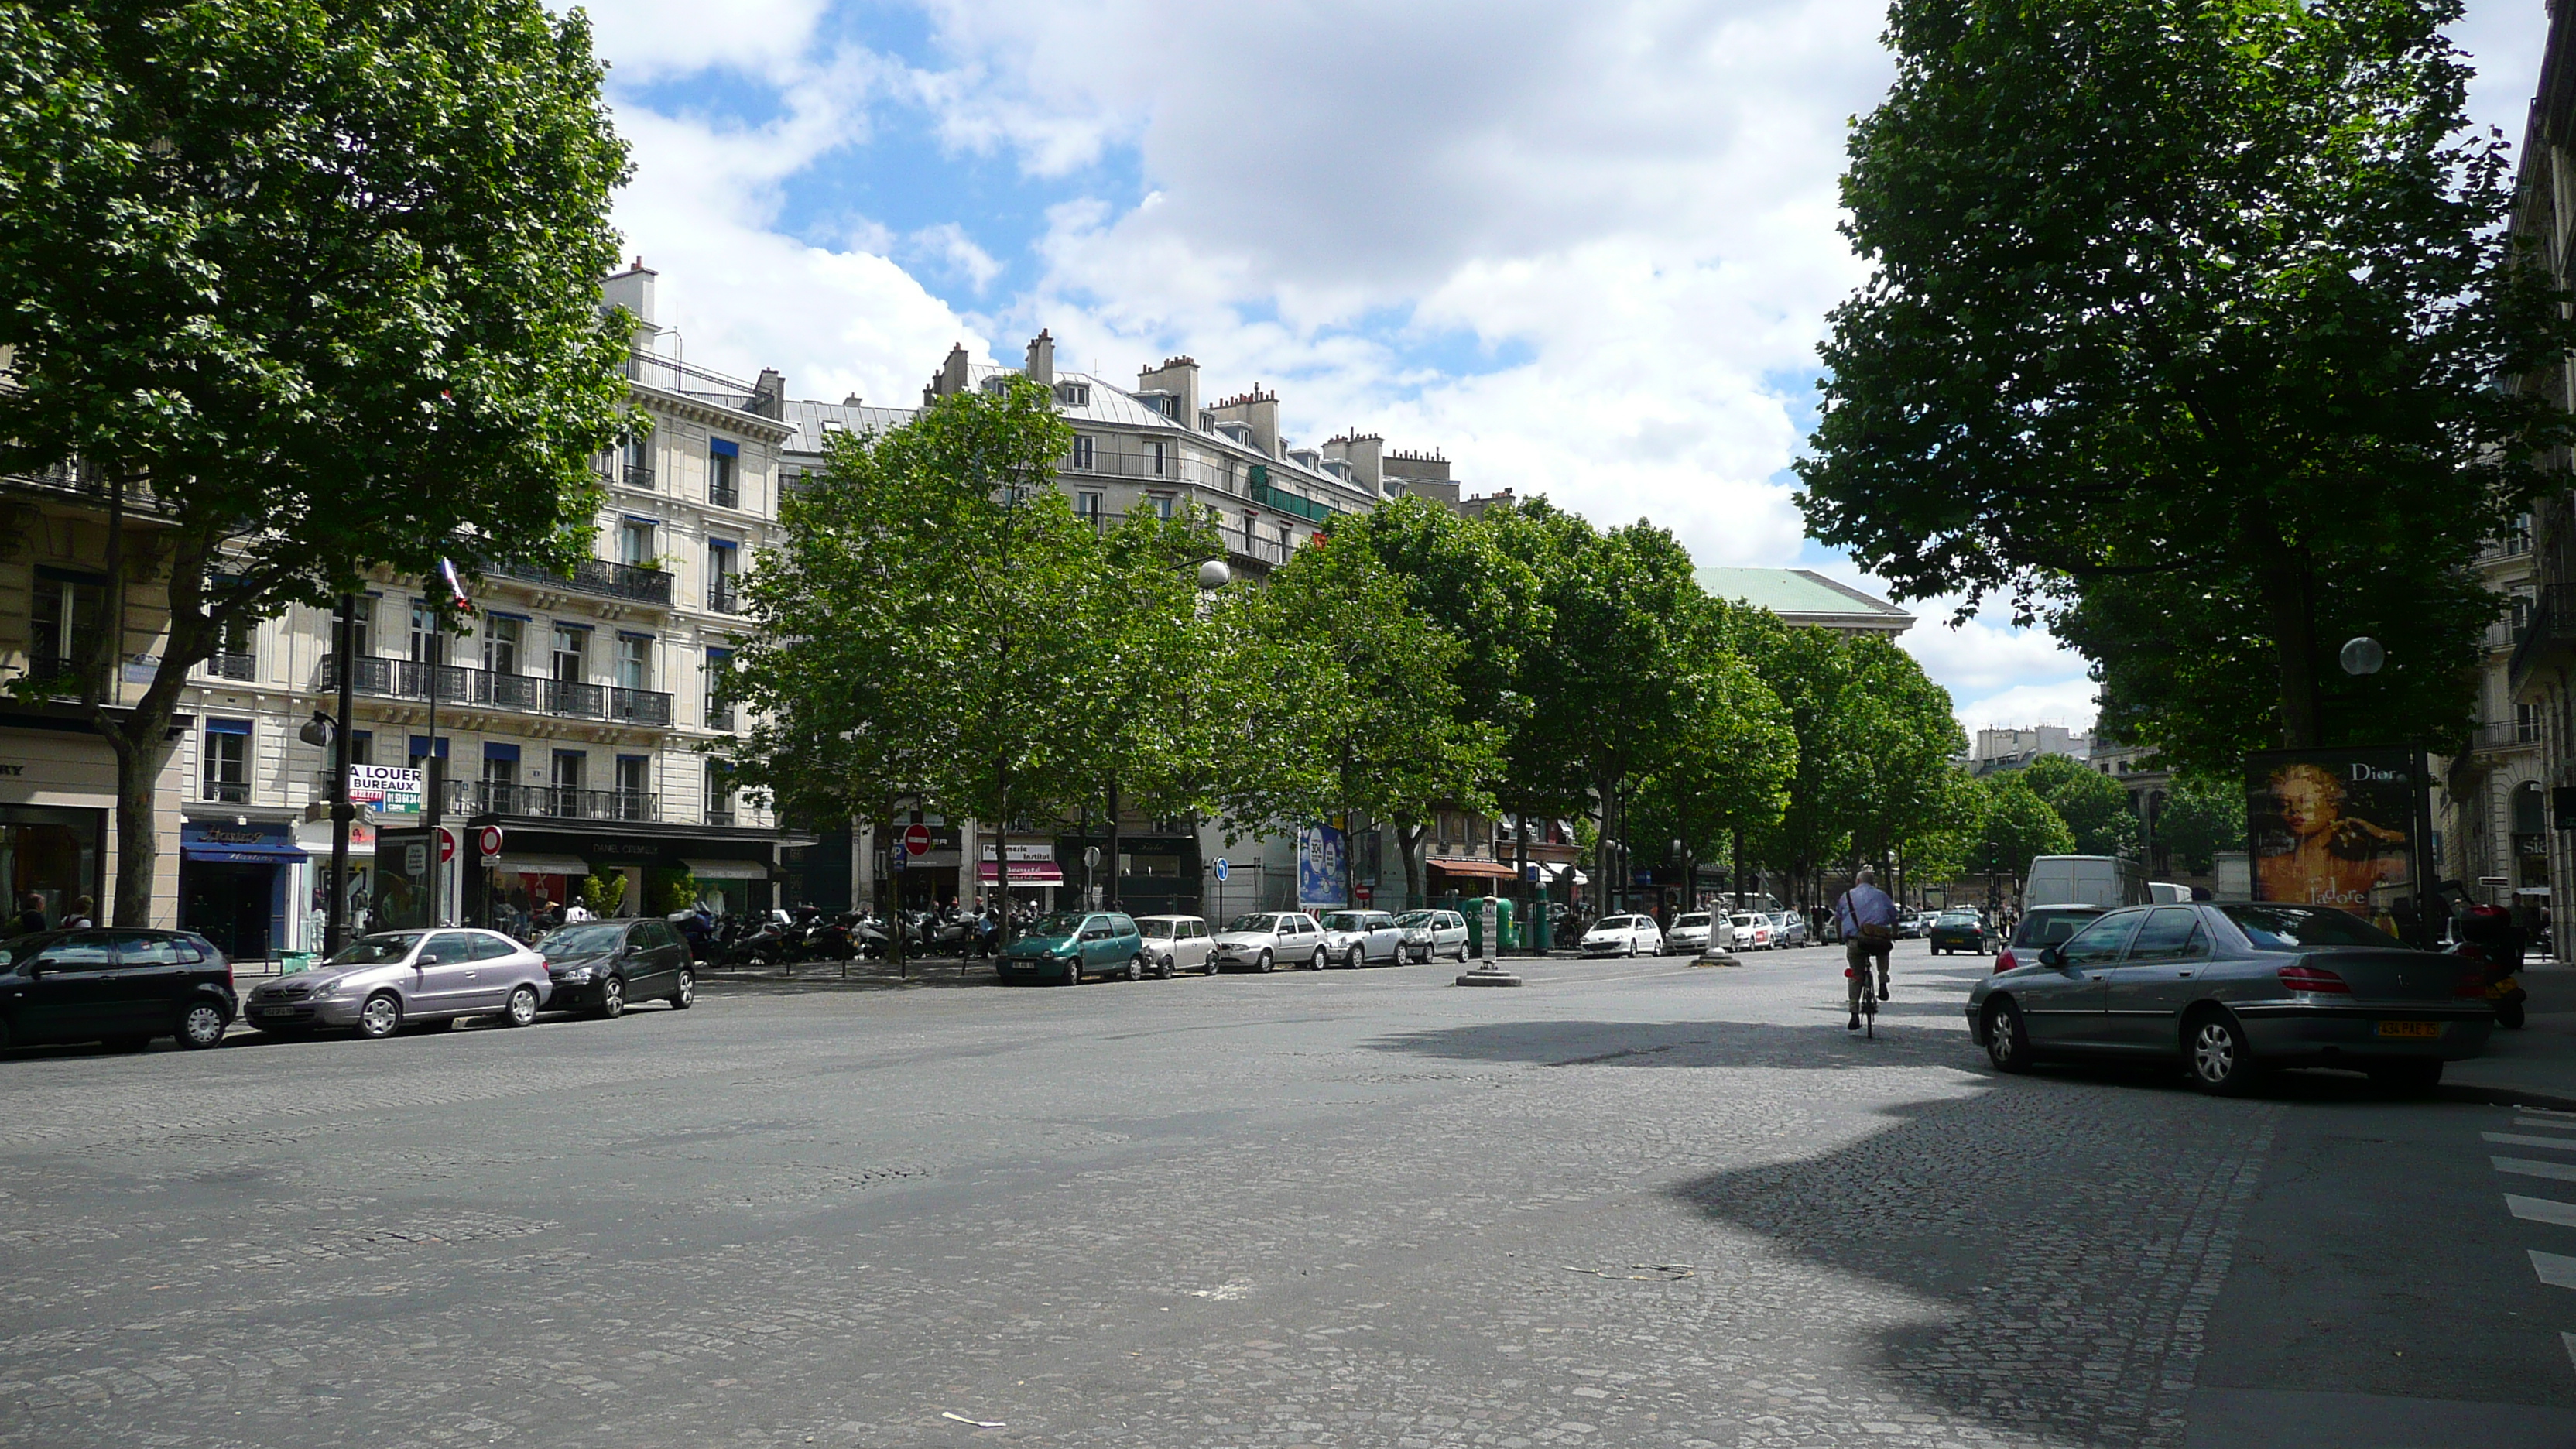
<point x="434" y="784"/>
<point x="335" y="928"/>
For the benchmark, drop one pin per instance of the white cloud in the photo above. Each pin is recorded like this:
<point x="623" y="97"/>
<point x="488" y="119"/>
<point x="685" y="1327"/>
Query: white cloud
<point x="648" y="39"/>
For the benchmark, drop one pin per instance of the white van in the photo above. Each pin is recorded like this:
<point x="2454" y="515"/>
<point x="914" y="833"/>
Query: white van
<point x="2084" y="880"/>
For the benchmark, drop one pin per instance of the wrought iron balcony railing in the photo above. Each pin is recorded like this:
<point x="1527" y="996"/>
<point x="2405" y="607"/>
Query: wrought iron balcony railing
<point x="599" y="576"/>
<point x="528" y="693"/>
<point x="550" y="802"/>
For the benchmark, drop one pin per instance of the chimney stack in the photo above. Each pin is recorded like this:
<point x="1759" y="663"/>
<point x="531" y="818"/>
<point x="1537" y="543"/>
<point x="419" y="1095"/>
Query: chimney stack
<point x="1177" y="378"/>
<point x="950" y="380"/>
<point x="1257" y="410"/>
<point x="1042" y="359"/>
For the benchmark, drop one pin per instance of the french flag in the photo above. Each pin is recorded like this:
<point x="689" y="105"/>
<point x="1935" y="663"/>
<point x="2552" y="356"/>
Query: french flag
<point x="455" y="587"/>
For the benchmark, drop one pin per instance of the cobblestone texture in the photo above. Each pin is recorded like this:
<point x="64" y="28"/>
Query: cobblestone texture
<point x="1249" y="1211"/>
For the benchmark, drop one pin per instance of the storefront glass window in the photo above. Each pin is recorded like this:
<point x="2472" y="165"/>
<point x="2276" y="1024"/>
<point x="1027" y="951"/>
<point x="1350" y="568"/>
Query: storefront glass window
<point x="50" y="854"/>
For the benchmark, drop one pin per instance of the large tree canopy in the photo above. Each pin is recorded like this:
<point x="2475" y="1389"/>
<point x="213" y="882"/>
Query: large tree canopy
<point x="314" y="282"/>
<point x="2188" y="307"/>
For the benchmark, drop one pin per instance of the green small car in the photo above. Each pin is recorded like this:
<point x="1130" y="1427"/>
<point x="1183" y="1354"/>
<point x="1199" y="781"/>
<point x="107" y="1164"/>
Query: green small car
<point x="1069" y="945"/>
<point x="1960" y="931"/>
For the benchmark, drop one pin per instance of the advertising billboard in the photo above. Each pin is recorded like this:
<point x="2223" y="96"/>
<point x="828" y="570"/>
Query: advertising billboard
<point x="385" y="789"/>
<point x="2345" y="828"/>
<point x="1322" y="872"/>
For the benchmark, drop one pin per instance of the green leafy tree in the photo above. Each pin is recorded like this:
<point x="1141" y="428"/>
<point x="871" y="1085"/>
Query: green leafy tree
<point x="1732" y="766"/>
<point x="2201" y="817"/>
<point x="296" y="287"/>
<point x="2019" y="826"/>
<point x="1900" y="739"/>
<point x="2180" y="331"/>
<point x="2091" y="803"/>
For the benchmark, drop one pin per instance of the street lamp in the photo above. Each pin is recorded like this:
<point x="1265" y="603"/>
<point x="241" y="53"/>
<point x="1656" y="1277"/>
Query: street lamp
<point x="2362" y="656"/>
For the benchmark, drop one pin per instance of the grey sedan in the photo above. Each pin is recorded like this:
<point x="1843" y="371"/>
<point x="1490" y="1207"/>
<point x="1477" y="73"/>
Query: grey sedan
<point x="380" y="982"/>
<point x="2231" y="992"/>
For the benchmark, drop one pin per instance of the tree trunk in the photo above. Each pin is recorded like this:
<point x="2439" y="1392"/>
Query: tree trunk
<point x="1110" y="897"/>
<point x="2289" y="608"/>
<point x="1408" y="840"/>
<point x="1739" y="870"/>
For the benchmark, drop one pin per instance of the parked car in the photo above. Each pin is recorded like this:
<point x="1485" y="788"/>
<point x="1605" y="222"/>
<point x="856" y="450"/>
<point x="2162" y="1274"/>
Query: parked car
<point x="2231" y="992"/>
<point x="1624" y="936"/>
<point x="1434" y="933"/>
<point x="384" y="981"/>
<point x="121" y="987"/>
<point x="1267" y="940"/>
<point x="2042" y="926"/>
<point x="1959" y="931"/>
<point x="1788" y="928"/>
<point x="1356" y="938"/>
<point x="1752" y="931"/>
<point x="1065" y="947"/>
<point x="1177" y="943"/>
<point x="602" y="966"/>
<point x="1700" y="931"/>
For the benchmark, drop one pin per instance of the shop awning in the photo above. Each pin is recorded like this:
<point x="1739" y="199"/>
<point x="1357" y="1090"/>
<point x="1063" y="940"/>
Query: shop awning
<point x="727" y="869"/>
<point x="1023" y="873"/>
<point x="1483" y="869"/>
<point x="254" y="854"/>
<point x="1560" y="872"/>
<point x="540" y="865"/>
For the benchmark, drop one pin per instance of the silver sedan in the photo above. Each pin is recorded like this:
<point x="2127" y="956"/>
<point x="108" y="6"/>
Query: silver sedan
<point x="382" y="981"/>
<point x="2230" y="992"/>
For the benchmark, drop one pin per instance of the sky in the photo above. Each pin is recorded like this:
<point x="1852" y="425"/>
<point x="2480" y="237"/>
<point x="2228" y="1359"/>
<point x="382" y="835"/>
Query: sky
<point x="1584" y="250"/>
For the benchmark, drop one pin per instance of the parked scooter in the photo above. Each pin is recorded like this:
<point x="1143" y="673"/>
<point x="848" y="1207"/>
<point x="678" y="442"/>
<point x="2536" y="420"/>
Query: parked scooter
<point x="2486" y="935"/>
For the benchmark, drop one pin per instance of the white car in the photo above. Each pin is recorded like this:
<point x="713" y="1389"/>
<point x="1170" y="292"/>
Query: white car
<point x="1624" y="936"/>
<point x="1268" y="940"/>
<point x="1701" y="931"/>
<point x="1177" y="943"/>
<point x="1356" y="938"/>
<point x="1752" y="931"/>
<point x="1434" y="933"/>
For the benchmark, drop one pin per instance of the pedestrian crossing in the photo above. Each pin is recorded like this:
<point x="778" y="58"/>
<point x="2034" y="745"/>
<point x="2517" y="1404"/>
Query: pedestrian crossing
<point x="2549" y="1132"/>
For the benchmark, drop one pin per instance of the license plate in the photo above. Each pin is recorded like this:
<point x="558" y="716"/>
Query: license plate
<point x="2410" y="1028"/>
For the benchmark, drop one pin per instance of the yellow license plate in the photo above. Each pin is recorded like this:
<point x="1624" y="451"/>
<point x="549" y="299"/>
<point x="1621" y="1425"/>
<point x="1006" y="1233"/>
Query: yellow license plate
<point x="2410" y="1028"/>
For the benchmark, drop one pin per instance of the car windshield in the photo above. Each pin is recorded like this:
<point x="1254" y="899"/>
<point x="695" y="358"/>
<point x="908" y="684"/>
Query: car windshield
<point x="1414" y="918"/>
<point x="1700" y="919"/>
<point x="1062" y="923"/>
<point x="377" y="949"/>
<point x="1159" y="930"/>
<point x="1345" y="921"/>
<point x="2287" y="928"/>
<point x="1956" y="918"/>
<point x="2051" y="928"/>
<point x="588" y="939"/>
<point x="1253" y="923"/>
<point x="1744" y="920"/>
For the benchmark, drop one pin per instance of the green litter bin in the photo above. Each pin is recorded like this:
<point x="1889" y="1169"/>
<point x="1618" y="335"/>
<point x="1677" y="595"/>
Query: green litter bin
<point x="292" y="961"/>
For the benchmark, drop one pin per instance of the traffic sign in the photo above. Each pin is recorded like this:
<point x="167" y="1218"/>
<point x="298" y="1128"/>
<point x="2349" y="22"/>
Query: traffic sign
<point x="487" y="842"/>
<point x="1222" y="870"/>
<point x="446" y="845"/>
<point x="916" y="841"/>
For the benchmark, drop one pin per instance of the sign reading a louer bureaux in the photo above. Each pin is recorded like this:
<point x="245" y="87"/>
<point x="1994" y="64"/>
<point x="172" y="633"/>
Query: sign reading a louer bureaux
<point x="385" y="789"/>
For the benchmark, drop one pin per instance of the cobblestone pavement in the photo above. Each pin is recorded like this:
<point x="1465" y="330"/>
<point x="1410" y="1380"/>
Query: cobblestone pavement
<point x="1630" y="1203"/>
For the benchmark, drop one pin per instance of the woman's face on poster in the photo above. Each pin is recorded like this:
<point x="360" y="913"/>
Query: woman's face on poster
<point x="2307" y="804"/>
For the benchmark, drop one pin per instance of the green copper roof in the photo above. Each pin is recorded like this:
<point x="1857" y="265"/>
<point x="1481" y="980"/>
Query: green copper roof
<point x="1802" y="596"/>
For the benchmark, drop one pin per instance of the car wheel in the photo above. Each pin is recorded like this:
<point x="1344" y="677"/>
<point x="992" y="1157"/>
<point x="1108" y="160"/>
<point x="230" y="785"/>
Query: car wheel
<point x="2007" y="1040"/>
<point x="685" y="993"/>
<point x="1632" y="948"/>
<point x="612" y="997"/>
<point x="201" y="1025"/>
<point x="1214" y="965"/>
<point x="2509" y="1015"/>
<point x="1265" y="963"/>
<point x="2216" y="1055"/>
<point x="2409" y="1077"/>
<point x="1136" y="968"/>
<point x="1073" y="972"/>
<point x="521" y="1008"/>
<point x="1358" y="959"/>
<point x="1318" y="961"/>
<point x="381" y="1017"/>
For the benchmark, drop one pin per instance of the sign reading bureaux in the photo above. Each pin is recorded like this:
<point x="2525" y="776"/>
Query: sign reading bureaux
<point x="386" y="789"/>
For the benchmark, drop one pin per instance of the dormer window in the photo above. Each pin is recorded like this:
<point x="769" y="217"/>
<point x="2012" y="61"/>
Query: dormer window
<point x="1073" y="394"/>
<point x="997" y="384"/>
<point x="835" y="425"/>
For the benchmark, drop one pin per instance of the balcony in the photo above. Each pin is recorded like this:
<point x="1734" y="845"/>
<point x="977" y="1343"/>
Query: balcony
<point x="598" y="576"/>
<point x="231" y="666"/>
<point x="724" y="594"/>
<point x="639" y="475"/>
<point x="228" y="792"/>
<point x="2548" y="634"/>
<point x="672" y="375"/>
<point x="1281" y="500"/>
<point x="2503" y="735"/>
<point x="550" y="802"/>
<point x="526" y="693"/>
<point x="724" y="492"/>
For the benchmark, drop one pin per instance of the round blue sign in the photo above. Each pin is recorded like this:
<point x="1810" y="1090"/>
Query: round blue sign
<point x="1222" y="869"/>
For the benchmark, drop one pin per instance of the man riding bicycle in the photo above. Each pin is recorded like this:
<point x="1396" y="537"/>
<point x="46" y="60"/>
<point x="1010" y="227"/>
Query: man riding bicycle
<point x="1868" y="921"/>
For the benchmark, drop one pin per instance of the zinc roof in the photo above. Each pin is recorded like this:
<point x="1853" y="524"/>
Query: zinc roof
<point x="1803" y="596"/>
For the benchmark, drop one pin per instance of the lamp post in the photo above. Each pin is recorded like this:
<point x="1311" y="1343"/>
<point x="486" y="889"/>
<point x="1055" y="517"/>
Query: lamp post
<point x="335" y="930"/>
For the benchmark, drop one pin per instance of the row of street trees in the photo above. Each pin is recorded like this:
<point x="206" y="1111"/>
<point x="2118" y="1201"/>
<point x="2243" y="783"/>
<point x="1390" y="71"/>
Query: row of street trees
<point x="941" y="631"/>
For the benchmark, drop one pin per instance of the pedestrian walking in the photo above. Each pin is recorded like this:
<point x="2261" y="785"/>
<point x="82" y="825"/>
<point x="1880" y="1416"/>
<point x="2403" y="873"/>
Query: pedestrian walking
<point x="30" y="917"/>
<point x="1868" y="921"/>
<point x="83" y="917"/>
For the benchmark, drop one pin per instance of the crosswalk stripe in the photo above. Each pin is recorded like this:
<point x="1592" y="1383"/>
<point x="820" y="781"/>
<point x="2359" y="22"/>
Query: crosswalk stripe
<point x="2569" y="1339"/>
<point x="2555" y="1269"/>
<point x="2549" y="1112"/>
<point x="2524" y="1139"/>
<point x="2564" y="1124"/>
<point x="2563" y="1172"/>
<point x="2542" y="1210"/>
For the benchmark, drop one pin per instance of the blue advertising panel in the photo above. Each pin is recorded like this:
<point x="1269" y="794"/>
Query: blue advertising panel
<point x="1322" y="877"/>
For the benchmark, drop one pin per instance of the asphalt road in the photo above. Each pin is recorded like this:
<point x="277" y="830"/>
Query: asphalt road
<point x="1630" y="1203"/>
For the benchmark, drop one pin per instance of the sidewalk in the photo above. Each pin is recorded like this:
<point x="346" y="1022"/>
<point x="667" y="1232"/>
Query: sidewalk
<point x="2534" y="1066"/>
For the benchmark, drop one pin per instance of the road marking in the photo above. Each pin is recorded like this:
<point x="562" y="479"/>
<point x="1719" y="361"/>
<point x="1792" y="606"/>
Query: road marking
<point x="2561" y="1124"/>
<point x="2510" y="1139"/>
<point x="2563" y="1172"/>
<point x="2542" y="1210"/>
<point x="2569" y="1339"/>
<point x="2555" y="1269"/>
<point x="2567" y="1117"/>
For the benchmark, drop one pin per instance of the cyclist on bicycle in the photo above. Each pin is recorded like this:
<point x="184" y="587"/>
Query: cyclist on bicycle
<point x="1868" y="920"/>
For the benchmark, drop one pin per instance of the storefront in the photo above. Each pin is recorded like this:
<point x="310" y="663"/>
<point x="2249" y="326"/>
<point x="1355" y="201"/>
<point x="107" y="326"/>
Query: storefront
<point x="314" y="838"/>
<point x="1157" y="875"/>
<point x="241" y="886"/>
<point x="1467" y="877"/>
<point x="541" y="871"/>
<point x="52" y="854"/>
<point x="58" y="815"/>
<point x="1035" y="876"/>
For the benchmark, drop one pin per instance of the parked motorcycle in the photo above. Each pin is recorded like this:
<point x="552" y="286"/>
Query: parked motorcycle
<point x="2486" y="936"/>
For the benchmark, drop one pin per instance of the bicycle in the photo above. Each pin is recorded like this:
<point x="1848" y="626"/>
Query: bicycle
<point x="1868" y="1001"/>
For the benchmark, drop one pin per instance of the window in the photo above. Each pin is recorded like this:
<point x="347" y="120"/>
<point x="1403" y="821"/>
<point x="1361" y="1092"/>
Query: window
<point x="1086" y="506"/>
<point x="1073" y="394"/>
<point x="65" y="618"/>
<point x="227" y="762"/>
<point x="572" y="650"/>
<point x="634" y="661"/>
<point x="141" y="948"/>
<point x="448" y="946"/>
<point x="719" y="675"/>
<point x="2099" y="943"/>
<point x="362" y="625"/>
<point x="502" y="636"/>
<point x="2526" y="724"/>
<point x="571" y="767"/>
<point x="723" y="560"/>
<point x="634" y="783"/>
<point x="500" y="771"/>
<point x="236" y="651"/>
<point x="491" y="948"/>
<point x="84" y="952"/>
<point x="635" y="542"/>
<point x="428" y="640"/>
<point x="722" y="459"/>
<point x="362" y="747"/>
<point x="2168" y="935"/>
<point x="1155" y="451"/>
<point x="719" y="794"/>
<point x="1082" y="452"/>
<point x="2287" y="928"/>
<point x="1162" y="503"/>
<point x="639" y="463"/>
<point x="421" y="749"/>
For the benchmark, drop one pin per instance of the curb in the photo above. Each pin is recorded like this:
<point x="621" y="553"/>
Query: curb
<point x="2502" y="1097"/>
